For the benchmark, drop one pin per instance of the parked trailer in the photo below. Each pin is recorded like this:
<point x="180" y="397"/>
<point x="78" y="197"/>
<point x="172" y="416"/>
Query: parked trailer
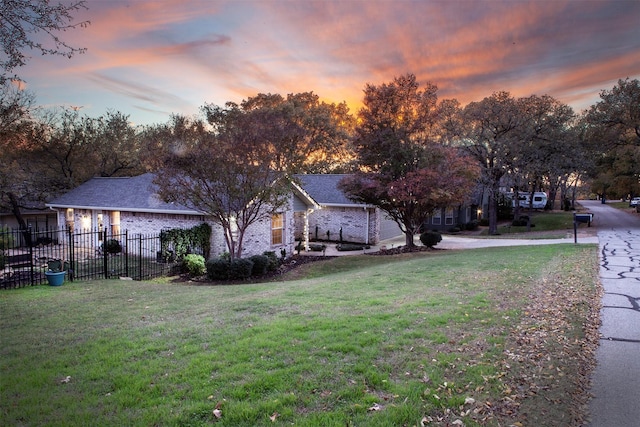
<point x="539" y="200"/>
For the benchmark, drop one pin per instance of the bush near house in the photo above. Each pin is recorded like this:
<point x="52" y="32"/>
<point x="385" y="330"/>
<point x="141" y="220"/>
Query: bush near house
<point x="194" y="265"/>
<point x="112" y="246"/>
<point x="260" y="265"/>
<point x="240" y="268"/>
<point x="430" y="238"/>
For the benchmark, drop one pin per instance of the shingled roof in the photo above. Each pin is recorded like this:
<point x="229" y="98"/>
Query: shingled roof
<point x="323" y="188"/>
<point x="136" y="194"/>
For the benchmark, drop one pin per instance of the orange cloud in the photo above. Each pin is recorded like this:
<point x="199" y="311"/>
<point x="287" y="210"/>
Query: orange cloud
<point x="169" y="54"/>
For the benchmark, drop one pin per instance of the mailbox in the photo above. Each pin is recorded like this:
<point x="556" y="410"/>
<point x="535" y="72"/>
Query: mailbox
<point x="584" y="218"/>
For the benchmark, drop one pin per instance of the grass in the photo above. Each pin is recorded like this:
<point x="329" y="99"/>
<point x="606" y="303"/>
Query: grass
<point x="548" y="225"/>
<point x="353" y="341"/>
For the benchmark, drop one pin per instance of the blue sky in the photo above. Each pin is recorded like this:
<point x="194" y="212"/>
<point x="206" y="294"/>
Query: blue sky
<point x="151" y="58"/>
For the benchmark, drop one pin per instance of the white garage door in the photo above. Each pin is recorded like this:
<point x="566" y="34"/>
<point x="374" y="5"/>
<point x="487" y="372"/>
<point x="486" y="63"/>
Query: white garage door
<point x="389" y="229"/>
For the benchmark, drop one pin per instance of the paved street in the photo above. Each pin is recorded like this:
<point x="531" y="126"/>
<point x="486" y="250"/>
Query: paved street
<point x="616" y="380"/>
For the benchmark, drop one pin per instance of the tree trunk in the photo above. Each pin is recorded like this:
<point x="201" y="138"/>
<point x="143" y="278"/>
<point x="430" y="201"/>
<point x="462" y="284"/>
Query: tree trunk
<point x="408" y="236"/>
<point x="493" y="210"/>
<point x="15" y="209"/>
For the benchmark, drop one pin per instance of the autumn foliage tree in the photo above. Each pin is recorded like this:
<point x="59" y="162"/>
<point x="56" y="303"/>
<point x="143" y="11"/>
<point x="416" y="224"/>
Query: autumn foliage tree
<point x="403" y="170"/>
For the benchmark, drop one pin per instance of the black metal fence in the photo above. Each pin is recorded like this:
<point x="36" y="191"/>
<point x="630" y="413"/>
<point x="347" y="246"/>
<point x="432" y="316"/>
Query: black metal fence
<point x="24" y="256"/>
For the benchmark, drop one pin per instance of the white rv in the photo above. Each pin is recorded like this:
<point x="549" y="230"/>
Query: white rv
<point x="539" y="200"/>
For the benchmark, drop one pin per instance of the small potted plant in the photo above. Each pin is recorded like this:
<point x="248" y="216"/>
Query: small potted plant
<point x="55" y="272"/>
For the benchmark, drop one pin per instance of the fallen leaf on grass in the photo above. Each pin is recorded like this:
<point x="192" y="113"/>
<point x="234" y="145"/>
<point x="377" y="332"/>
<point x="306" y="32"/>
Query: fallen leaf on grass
<point x="375" y="407"/>
<point x="274" y="417"/>
<point x="65" y="380"/>
<point x="217" y="413"/>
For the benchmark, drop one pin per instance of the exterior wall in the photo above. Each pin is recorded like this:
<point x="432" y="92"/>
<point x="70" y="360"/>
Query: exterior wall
<point x="148" y="223"/>
<point x="450" y="218"/>
<point x="257" y="238"/>
<point x="359" y="225"/>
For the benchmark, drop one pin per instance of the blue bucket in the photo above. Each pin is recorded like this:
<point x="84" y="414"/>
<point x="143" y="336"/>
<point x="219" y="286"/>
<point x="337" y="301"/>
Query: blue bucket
<point x="55" y="278"/>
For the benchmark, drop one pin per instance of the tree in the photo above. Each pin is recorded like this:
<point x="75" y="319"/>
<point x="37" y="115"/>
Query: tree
<point x="489" y="134"/>
<point x="615" y="119"/>
<point x="544" y="152"/>
<point x="15" y="126"/>
<point x="300" y="133"/>
<point x="612" y="132"/>
<point x="219" y="180"/>
<point x="403" y="170"/>
<point x="63" y="144"/>
<point x="116" y="146"/>
<point x="237" y="170"/>
<point x="159" y="141"/>
<point x="22" y="20"/>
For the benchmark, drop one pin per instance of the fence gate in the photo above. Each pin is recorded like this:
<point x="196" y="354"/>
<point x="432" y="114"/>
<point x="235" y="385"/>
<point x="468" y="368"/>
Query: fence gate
<point x="88" y="254"/>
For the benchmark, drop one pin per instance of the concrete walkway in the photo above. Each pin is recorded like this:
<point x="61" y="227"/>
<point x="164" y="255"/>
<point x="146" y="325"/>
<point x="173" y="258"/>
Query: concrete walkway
<point x="616" y="379"/>
<point x="460" y="242"/>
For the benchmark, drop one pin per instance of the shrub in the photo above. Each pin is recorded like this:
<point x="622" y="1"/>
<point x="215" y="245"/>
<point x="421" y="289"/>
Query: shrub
<point x="317" y="247"/>
<point x="260" y="265"/>
<point x="194" y="265"/>
<point x="471" y="225"/>
<point x="240" y="268"/>
<point x="112" y="246"/>
<point x="273" y="260"/>
<point x="430" y="238"/>
<point x="217" y="269"/>
<point x="521" y="222"/>
<point x="351" y="247"/>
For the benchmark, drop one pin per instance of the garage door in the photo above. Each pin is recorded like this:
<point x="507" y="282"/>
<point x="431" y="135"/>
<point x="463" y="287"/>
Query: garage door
<point x="389" y="229"/>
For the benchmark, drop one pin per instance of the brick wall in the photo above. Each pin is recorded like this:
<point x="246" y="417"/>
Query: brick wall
<point x="358" y="224"/>
<point x="257" y="239"/>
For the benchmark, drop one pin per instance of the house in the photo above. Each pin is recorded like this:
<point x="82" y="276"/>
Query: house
<point x="360" y="223"/>
<point x="131" y="203"/>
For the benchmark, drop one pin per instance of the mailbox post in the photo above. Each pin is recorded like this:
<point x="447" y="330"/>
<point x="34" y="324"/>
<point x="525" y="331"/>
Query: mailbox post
<point x="584" y="218"/>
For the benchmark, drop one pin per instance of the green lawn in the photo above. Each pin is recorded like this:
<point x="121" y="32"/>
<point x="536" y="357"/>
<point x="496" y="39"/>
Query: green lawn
<point x="548" y="225"/>
<point x="354" y="341"/>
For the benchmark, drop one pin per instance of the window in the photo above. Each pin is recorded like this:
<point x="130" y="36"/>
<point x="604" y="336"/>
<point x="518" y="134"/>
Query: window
<point x="437" y="218"/>
<point x="448" y="216"/>
<point x="277" y="229"/>
<point x="115" y="222"/>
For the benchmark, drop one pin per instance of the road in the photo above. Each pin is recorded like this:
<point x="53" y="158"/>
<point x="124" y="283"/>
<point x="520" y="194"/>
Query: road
<point x="615" y="381"/>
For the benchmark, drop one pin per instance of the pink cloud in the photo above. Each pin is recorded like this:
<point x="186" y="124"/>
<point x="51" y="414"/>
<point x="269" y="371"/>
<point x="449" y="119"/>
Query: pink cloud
<point x="217" y="51"/>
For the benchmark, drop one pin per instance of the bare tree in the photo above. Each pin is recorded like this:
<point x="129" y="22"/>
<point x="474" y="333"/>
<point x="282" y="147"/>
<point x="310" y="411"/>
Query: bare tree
<point x="226" y="175"/>
<point x="22" y="21"/>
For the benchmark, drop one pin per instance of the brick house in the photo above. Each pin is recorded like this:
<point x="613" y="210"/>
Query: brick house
<point x="360" y="223"/>
<point x="131" y="203"/>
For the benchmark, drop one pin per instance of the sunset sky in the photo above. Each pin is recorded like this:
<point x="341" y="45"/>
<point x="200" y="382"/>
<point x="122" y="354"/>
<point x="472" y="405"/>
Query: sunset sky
<point x="151" y="58"/>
